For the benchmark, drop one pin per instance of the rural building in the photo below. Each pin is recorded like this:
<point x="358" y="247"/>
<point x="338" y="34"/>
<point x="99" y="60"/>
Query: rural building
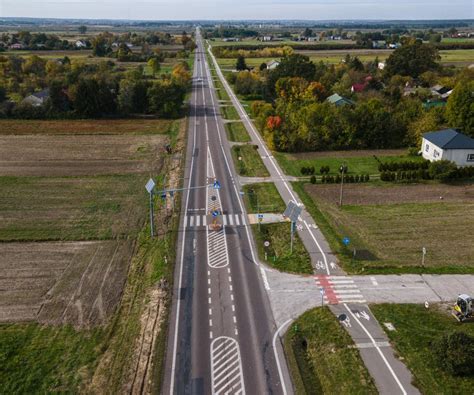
<point x="16" y="46"/>
<point x="379" y="44"/>
<point x="37" y="99"/>
<point x="381" y="65"/>
<point x="80" y="44"/>
<point x="339" y="100"/>
<point x="441" y="91"/>
<point x="448" y="144"/>
<point x="267" y="38"/>
<point x="273" y="64"/>
<point x="231" y="39"/>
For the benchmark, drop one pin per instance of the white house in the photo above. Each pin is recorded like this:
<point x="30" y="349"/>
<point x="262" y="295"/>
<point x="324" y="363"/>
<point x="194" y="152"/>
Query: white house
<point x="267" y="38"/>
<point x="37" y="99"/>
<point x="273" y="64"/>
<point x="81" y="44"/>
<point x="450" y="145"/>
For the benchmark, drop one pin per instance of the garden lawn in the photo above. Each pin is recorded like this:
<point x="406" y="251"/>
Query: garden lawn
<point x="292" y="165"/>
<point x="416" y="327"/>
<point x="251" y="164"/>
<point x="278" y="252"/>
<point x="322" y="359"/>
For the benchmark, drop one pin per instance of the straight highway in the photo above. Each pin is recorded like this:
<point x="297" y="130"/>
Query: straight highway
<point x="222" y="332"/>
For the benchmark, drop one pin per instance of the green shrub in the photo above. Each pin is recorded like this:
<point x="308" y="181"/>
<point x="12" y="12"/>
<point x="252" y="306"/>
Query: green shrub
<point x="442" y="170"/>
<point x="313" y="179"/>
<point x="454" y="353"/>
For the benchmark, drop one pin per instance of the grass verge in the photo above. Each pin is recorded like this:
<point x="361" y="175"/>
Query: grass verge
<point x="415" y="329"/>
<point x="322" y="359"/>
<point x="230" y="113"/>
<point x="263" y="197"/>
<point x="250" y="163"/>
<point x="278" y="252"/>
<point x="236" y="132"/>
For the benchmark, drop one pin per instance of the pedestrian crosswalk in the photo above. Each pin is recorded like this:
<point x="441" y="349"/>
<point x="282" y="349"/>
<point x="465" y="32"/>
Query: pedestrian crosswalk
<point x="196" y="221"/>
<point x="339" y="289"/>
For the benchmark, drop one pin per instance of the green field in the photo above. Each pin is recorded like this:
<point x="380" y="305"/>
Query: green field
<point x="321" y="357"/>
<point x="236" y="132"/>
<point x="416" y="327"/>
<point x="388" y="238"/>
<point x="292" y="164"/>
<point x="46" y="359"/>
<point x="278" y="253"/>
<point x="263" y="197"/>
<point x="71" y="208"/>
<point x="250" y="163"/>
<point x="336" y="57"/>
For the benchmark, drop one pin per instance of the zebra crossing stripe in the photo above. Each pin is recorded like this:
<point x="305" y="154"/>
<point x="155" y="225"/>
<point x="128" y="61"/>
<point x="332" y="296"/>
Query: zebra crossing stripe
<point x="237" y="220"/>
<point x="198" y="220"/>
<point x="227" y="220"/>
<point x="231" y="221"/>
<point x="191" y="224"/>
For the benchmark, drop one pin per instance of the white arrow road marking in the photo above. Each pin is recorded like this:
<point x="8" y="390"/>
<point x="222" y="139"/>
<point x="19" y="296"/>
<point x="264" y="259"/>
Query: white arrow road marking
<point x="365" y="315"/>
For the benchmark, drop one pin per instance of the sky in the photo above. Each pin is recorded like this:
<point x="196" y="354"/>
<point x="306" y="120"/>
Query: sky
<point x="239" y="9"/>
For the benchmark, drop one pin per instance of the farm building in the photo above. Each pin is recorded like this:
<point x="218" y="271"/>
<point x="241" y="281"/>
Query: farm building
<point x="448" y="144"/>
<point x="80" y="44"/>
<point x="273" y="64"/>
<point x="37" y="99"/>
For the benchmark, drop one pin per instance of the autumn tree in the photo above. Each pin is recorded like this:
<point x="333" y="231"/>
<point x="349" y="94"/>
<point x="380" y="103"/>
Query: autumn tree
<point x="460" y="108"/>
<point x="412" y="59"/>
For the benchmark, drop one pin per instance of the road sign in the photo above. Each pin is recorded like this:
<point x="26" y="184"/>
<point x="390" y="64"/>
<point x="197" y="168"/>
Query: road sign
<point x="215" y="213"/>
<point x="266" y="243"/>
<point x="150" y="185"/>
<point x="346" y="241"/>
<point x="217" y="185"/>
<point x="292" y="211"/>
<point x="322" y="291"/>
<point x="424" y="250"/>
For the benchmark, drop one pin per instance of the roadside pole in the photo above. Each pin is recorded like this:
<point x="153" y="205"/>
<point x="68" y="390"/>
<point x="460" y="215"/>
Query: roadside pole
<point x="423" y="257"/>
<point x="150" y="185"/>
<point x="291" y="236"/>
<point x="342" y="170"/>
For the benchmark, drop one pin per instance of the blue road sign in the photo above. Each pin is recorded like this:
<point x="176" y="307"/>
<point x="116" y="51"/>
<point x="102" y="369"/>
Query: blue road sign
<point x="346" y="241"/>
<point x="215" y="213"/>
<point x="217" y="185"/>
<point x="260" y="215"/>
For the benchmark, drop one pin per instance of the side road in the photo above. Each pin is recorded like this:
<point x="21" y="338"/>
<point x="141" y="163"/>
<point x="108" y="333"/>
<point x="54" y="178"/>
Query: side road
<point x="390" y="375"/>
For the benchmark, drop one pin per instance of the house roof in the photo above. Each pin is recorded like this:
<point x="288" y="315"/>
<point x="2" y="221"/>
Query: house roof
<point x="272" y="62"/>
<point x="358" y="87"/>
<point x="338" y="100"/>
<point x="44" y="94"/>
<point x="450" y="139"/>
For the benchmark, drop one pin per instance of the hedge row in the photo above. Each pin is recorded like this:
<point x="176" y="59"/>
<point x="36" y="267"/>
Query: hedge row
<point x="420" y="174"/>
<point x="337" y="179"/>
<point x="403" y="166"/>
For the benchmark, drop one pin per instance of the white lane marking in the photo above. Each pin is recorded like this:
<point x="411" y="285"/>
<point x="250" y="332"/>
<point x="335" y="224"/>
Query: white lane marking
<point x="230" y="287"/>
<point x="209" y="300"/>
<point x="175" y="341"/>
<point x="230" y="279"/>
<point x="233" y="308"/>
<point x="377" y="348"/>
<point x="226" y="366"/>
<point x="198" y="220"/>
<point x="210" y="311"/>
<point x="374" y="281"/>
<point x="234" y="319"/>
<point x="191" y="221"/>
<point x="210" y="335"/>
<point x="265" y="279"/>
<point x="210" y="322"/>
<point x="280" y="372"/>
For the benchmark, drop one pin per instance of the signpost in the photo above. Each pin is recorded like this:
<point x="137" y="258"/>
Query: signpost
<point x="322" y="291"/>
<point x="342" y="170"/>
<point x="150" y="185"/>
<point x="266" y="244"/>
<point x="423" y="257"/>
<point x="346" y="241"/>
<point x="293" y="211"/>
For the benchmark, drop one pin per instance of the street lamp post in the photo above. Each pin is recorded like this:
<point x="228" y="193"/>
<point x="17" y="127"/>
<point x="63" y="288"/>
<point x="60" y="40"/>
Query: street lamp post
<point x="342" y="170"/>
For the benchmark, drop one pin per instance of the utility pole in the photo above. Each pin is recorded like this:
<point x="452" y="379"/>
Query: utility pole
<point x="342" y="170"/>
<point x="291" y="236"/>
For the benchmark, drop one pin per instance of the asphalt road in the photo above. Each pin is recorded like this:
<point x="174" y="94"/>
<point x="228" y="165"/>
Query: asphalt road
<point x="331" y="285"/>
<point x="221" y="335"/>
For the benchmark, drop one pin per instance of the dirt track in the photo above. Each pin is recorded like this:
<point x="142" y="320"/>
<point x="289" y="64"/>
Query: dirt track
<point x="45" y="155"/>
<point x="79" y="283"/>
